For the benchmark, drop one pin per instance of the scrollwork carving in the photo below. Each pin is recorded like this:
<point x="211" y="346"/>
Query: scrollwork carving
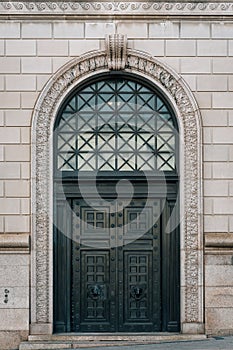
<point x="102" y="7"/>
<point x="116" y="57"/>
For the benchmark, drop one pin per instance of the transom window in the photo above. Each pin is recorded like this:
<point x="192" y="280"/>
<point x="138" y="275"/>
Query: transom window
<point x="116" y="124"/>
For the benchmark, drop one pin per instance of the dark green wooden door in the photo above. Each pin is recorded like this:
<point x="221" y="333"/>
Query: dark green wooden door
<point x="116" y="278"/>
<point x="119" y="269"/>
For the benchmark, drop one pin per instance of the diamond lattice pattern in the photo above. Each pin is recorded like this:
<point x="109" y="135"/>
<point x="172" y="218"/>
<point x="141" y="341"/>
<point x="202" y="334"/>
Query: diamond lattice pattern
<point x="116" y="125"/>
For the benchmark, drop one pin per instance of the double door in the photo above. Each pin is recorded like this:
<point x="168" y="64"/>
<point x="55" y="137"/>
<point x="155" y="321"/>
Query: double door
<point x="116" y="264"/>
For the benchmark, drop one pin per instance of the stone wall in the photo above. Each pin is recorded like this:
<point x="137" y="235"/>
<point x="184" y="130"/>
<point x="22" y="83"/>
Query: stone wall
<point x="31" y="51"/>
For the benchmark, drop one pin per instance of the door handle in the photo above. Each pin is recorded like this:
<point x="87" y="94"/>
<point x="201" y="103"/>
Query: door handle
<point x="137" y="292"/>
<point x="97" y="292"/>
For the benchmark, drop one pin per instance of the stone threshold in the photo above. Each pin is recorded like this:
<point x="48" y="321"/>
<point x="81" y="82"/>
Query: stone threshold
<point x="72" y="341"/>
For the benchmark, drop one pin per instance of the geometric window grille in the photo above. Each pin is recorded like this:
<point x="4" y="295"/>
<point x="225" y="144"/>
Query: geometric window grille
<point x="116" y="124"/>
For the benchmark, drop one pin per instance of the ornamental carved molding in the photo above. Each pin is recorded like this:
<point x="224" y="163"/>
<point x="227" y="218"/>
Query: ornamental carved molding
<point x="116" y="51"/>
<point x="189" y="120"/>
<point x="118" y="8"/>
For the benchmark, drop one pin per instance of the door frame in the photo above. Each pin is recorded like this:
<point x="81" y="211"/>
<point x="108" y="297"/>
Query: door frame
<point x="187" y="112"/>
<point x="168" y="246"/>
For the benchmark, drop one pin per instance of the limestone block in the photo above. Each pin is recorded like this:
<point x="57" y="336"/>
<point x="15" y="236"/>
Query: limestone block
<point x="208" y="206"/>
<point x="132" y="29"/>
<point x="219" y="275"/>
<point x="212" y="48"/>
<point x="197" y="29"/>
<point x="36" y="65"/>
<point x="2" y="224"/>
<point x="25" y="171"/>
<point x="218" y="259"/>
<point x="230" y="118"/>
<point x="207" y="171"/>
<point x="153" y="47"/>
<point x="204" y="99"/>
<point x="36" y="30"/>
<point x="222" y="100"/>
<point x="231" y="219"/>
<point x="14" y="319"/>
<point x="223" y="135"/>
<point x="20" y="47"/>
<point x="180" y="48"/>
<point x="195" y="65"/>
<point x="25" y="134"/>
<point x="2" y="83"/>
<point x="223" y="65"/>
<point x="191" y="81"/>
<point x="15" y="241"/>
<point x="230" y="82"/>
<point x="18" y="223"/>
<point x="223" y="205"/>
<point x="212" y="83"/>
<point x="222" y="30"/>
<point x="213" y="153"/>
<point x="214" y="118"/>
<point x="9" y="65"/>
<point x="207" y="135"/>
<point x="215" y="188"/>
<point x="219" y="320"/>
<point x="14" y="276"/>
<point x="28" y="99"/>
<point x="2" y="117"/>
<point x="58" y="62"/>
<point x="173" y="62"/>
<point x="222" y="170"/>
<point x="17" y="297"/>
<point x="18" y="117"/>
<point x="2" y="48"/>
<point x="9" y="29"/>
<point x="1" y="153"/>
<point x="100" y="29"/>
<point x="1" y="187"/>
<point x="12" y="339"/>
<point x="20" y="82"/>
<point x="68" y="30"/>
<point x="41" y="80"/>
<point x="10" y="99"/>
<point x="25" y="205"/>
<point x="216" y="223"/>
<point x="52" y="47"/>
<point x="10" y="206"/>
<point x="9" y="135"/>
<point x="10" y="170"/>
<point x="17" y="188"/>
<point x="79" y="47"/>
<point x="164" y="29"/>
<point x="17" y="153"/>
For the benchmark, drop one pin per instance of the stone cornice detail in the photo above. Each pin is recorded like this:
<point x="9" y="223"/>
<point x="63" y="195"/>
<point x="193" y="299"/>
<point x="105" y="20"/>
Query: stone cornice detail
<point x="126" y="8"/>
<point x="13" y="241"/>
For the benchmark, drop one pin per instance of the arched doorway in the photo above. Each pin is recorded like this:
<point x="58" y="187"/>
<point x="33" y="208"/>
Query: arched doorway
<point x="191" y="233"/>
<point x="116" y="232"/>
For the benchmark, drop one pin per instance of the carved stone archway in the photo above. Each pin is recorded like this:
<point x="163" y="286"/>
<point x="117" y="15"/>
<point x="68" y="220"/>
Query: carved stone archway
<point x="117" y="57"/>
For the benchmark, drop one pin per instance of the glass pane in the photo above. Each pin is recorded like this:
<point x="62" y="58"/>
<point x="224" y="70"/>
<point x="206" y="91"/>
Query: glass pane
<point x="116" y="125"/>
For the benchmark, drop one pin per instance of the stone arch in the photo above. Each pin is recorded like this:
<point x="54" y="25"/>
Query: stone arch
<point x="188" y="116"/>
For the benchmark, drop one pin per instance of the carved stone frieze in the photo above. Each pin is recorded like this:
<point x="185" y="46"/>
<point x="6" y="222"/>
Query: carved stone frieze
<point x="189" y="120"/>
<point x="119" y="8"/>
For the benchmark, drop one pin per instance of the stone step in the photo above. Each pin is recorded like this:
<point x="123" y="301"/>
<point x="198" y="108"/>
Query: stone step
<point x="65" y="342"/>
